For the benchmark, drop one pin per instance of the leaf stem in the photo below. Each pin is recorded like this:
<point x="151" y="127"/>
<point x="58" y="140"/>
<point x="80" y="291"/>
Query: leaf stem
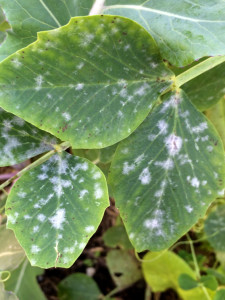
<point x="58" y="148"/>
<point x="197" y="271"/>
<point x="199" y="69"/>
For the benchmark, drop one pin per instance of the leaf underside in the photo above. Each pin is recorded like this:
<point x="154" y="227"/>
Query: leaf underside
<point x="166" y="174"/>
<point x="55" y="209"/>
<point x="91" y="82"/>
<point x="184" y="30"/>
<point x="20" y="140"/>
<point x="29" y="17"/>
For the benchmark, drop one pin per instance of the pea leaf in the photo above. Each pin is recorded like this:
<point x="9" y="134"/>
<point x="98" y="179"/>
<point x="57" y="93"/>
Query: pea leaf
<point x="220" y="295"/>
<point x="28" y="17"/>
<point x="55" y="208"/>
<point x="184" y="30"/>
<point x="117" y="236"/>
<point x="209" y="281"/>
<point x="24" y="284"/>
<point x="78" y="286"/>
<point x="20" y="140"/>
<point x="215" y="227"/>
<point x="187" y="282"/>
<point x="171" y="169"/>
<point x="85" y="75"/>
<point x="5" y="295"/>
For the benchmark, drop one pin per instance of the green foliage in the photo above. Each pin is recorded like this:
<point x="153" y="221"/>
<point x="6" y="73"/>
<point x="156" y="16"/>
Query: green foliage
<point x="5" y="295"/>
<point x="117" y="236"/>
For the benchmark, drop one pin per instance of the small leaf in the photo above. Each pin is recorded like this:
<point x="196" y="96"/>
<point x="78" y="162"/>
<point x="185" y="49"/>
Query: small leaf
<point x="20" y="140"/>
<point x="117" y="236"/>
<point x="26" y="19"/>
<point x="215" y="227"/>
<point x="187" y="282"/>
<point x="123" y="267"/>
<point x="55" y="208"/>
<point x="92" y="90"/>
<point x="11" y="253"/>
<point x="184" y="30"/>
<point x="106" y="154"/>
<point x="166" y="174"/>
<point x="5" y="295"/>
<point x="209" y="281"/>
<point x="78" y="286"/>
<point x="220" y="295"/>
<point x="24" y="284"/>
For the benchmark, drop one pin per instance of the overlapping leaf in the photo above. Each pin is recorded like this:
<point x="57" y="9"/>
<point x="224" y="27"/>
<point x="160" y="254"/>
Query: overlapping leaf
<point x="20" y="140"/>
<point x="215" y="228"/>
<point x="167" y="173"/>
<point x="5" y="295"/>
<point x="55" y="208"/>
<point x="28" y="17"/>
<point x="91" y="82"/>
<point x="184" y="30"/>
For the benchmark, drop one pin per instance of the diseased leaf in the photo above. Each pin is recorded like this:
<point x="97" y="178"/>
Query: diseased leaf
<point x="162" y="270"/>
<point x="78" y="286"/>
<point x="171" y="169"/>
<point x="5" y="295"/>
<point x="11" y="253"/>
<point x="91" y="82"/>
<point x="215" y="227"/>
<point x="55" y="208"/>
<point x="23" y="282"/>
<point x="28" y="17"/>
<point x="184" y="30"/>
<point x="20" y="140"/>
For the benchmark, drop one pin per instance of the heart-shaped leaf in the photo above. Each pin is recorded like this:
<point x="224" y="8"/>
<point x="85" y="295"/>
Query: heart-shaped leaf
<point x="28" y="17"/>
<point x="20" y="140"/>
<point x="166" y="174"/>
<point x="183" y="30"/>
<point x="91" y="82"/>
<point x="55" y="208"/>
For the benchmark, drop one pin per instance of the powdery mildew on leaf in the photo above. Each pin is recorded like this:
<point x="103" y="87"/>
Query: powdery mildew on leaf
<point x="55" y="208"/>
<point x="20" y="140"/>
<point x="184" y="30"/>
<point x="185" y="157"/>
<point x="91" y="82"/>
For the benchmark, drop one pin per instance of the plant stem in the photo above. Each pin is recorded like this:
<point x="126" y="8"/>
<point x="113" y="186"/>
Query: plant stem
<point x="197" y="271"/>
<point x="199" y="69"/>
<point x="58" y="148"/>
<point x="97" y="7"/>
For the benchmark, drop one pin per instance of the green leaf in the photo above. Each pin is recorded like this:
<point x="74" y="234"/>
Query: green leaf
<point x="171" y="169"/>
<point x="55" y="208"/>
<point x="11" y="253"/>
<point x="78" y="286"/>
<point x="106" y="154"/>
<point x="187" y="282"/>
<point x="20" y="140"/>
<point x="117" y="236"/>
<point x="209" y="281"/>
<point x="28" y="17"/>
<point x="24" y="284"/>
<point x="162" y="270"/>
<point x="5" y="295"/>
<point x="184" y="30"/>
<point x="220" y="295"/>
<point x="81" y="83"/>
<point x="123" y="267"/>
<point x="216" y="115"/>
<point x="215" y="227"/>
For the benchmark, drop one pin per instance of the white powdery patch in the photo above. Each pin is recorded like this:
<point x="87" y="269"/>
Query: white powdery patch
<point x="79" y="86"/>
<point x="42" y="176"/>
<point x="21" y="194"/>
<point x="98" y="191"/>
<point x="163" y="127"/>
<point x="39" y="81"/>
<point x="200" y="128"/>
<point x="127" y="168"/>
<point x="152" y="223"/>
<point x="96" y="175"/>
<point x="195" y="182"/>
<point x="83" y="193"/>
<point x="145" y="176"/>
<point x="166" y="164"/>
<point x="172" y="102"/>
<point x="89" y="229"/>
<point x="27" y="217"/>
<point x="58" y="219"/>
<point x="152" y="137"/>
<point x="35" y="228"/>
<point x="66" y="116"/>
<point x="142" y="90"/>
<point x="12" y="218"/>
<point x="82" y="245"/>
<point x="41" y="217"/>
<point x="35" y="249"/>
<point x="188" y="208"/>
<point x="173" y="144"/>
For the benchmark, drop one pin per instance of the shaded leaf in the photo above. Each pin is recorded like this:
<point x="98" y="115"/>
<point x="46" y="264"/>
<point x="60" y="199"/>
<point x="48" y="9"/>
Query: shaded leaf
<point x="80" y="82"/>
<point x="117" y="236"/>
<point x="106" y="154"/>
<point x="184" y="30"/>
<point x="162" y="270"/>
<point x="215" y="227"/>
<point x="24" y="284"/>
<point x="220" y="295"/>
<point x="171" y="169"/>
<point x="55" y="208"/>
<point x="20" y="140"/>
<point x="187" y="282"/>
<point x="209" y="281"/>
<point x="28" y="17"/>
<point x="123" y="267"/>
<point x="5" y="295"/>
<point x="11" y="253"/>
<point x="78" y="286"/>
